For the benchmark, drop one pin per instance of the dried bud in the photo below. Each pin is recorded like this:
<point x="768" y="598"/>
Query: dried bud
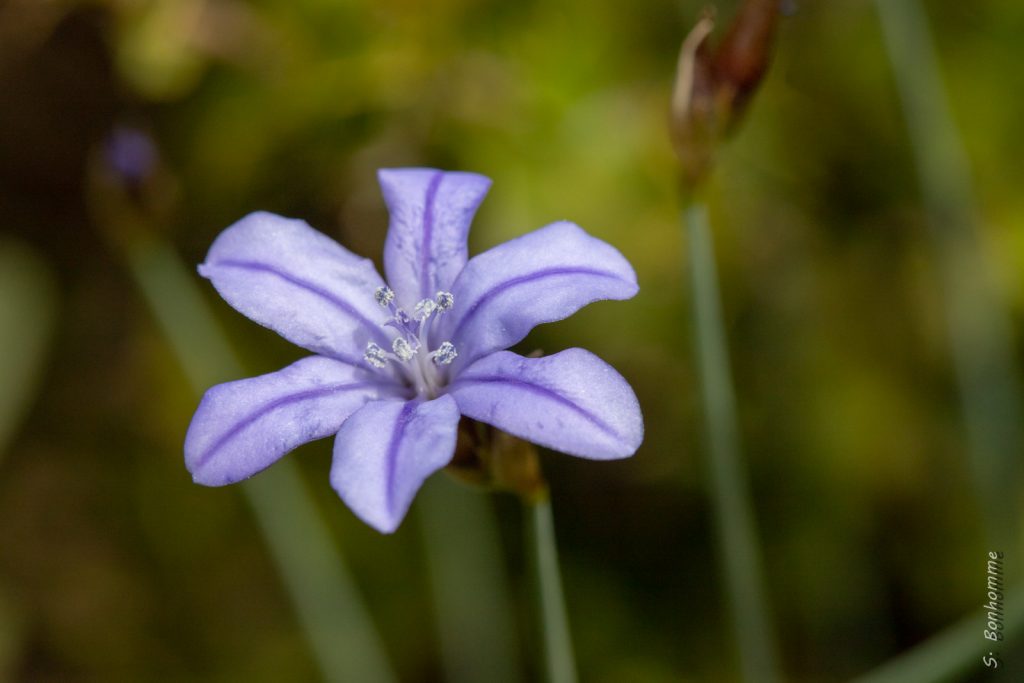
<point x="490" y="458"/>
<point x="745" y="52"/>
<point x="694" y="120"/>
<point x="712" y="90"/>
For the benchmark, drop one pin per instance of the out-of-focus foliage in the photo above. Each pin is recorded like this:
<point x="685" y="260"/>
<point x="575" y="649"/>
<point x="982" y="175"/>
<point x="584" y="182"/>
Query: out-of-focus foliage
<point x="27" y="312"/>
<point x="120" y="567"/>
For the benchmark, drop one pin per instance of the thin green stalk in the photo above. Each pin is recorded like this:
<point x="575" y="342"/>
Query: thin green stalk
<point x="470" y="584"/>
<point x="951" y="654"/>
<point x="329" y="607"/>
<point x="734" y="519"/>
<point x="560" y="665"/>
<point x="976" y="317"/>
<point x="28" y="310"/>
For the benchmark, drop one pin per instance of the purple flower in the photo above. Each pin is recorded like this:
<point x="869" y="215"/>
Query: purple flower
<point x="396" y="366"/>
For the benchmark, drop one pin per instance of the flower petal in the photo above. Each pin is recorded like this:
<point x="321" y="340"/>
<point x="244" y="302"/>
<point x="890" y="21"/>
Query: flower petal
<point x="571" y="401"/>
<point x="298" y="282"/>
<point x="386" y="450"/>
<point x="543" y="276"/>
<point x="430" y="215"/>
<point x="243" y="427"/>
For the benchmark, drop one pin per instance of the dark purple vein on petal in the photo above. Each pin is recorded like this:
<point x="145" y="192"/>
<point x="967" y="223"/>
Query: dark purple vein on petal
<point x="392" y="453"/>
<point x="340" y="304"/>
<point x="428" y="233"/>
<point x="522" y="280"/>
<point x="545" y="392"/>
<point x="282" y="402"/>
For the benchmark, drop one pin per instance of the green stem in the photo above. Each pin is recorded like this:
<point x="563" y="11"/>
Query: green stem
<point x="470" y="584"/>
<point x="977" y="319"/>
<point x="950" y="654"/>
<point x="344" y="640"/>
<point x="28" y="310"/>
<point x="329" y="607"/>
<point x="560" y="666"/>
<point x="734" y="519"/>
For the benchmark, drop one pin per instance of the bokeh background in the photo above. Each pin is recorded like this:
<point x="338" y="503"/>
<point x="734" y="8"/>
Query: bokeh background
<point x="115" y="566"/>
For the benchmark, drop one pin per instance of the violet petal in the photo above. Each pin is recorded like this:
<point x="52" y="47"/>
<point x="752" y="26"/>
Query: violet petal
<point x="298" y="282"/>
<point x="386" y="450"/>
<point x="244" y="426"/>
<point x="541" y="277"/>
<point x="571" y="401"/>
<point x="430" y="215"/>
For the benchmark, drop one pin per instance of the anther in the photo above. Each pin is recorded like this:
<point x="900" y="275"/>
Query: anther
<point x="402" y="349"/>
<point x="375" y="355"/>
<point x="445" y="353"/>
<point x="384" y="296"/>
<point x="423" y="309"/>
<point x="444" y="300"/>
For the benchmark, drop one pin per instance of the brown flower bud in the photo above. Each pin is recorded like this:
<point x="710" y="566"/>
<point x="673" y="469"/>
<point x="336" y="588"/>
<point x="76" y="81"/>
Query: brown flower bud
<point x="712" y="89"/>
<point x="743" y="57"/>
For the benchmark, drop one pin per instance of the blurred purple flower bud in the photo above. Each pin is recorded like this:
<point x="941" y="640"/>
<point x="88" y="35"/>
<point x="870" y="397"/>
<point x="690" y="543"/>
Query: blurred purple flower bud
<point x="131" y="156"/>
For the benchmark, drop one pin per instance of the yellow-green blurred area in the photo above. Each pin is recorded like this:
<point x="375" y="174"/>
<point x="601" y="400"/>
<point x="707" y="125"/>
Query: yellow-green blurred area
<point x="115" y="566"/>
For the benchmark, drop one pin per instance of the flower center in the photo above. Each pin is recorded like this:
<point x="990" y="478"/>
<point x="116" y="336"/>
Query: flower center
<point x="410" y="350"/>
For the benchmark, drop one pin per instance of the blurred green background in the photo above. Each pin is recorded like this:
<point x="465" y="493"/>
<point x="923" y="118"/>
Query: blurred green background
<point x="115" y="566"/>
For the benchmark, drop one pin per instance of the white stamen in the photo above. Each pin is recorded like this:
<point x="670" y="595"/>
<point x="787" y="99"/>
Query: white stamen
<point x="444" y="300"/>
<point x="375" y="355"/>
<point x="384" y="296"/>
<point x="423" y="309"/>
<point x="402" y="349"/>
<point x="424" y="374"/>
<point x="445" y="353"/>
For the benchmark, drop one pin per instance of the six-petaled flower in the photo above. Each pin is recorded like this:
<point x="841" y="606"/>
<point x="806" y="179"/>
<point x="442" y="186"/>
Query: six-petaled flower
<point x="397" y="363"/>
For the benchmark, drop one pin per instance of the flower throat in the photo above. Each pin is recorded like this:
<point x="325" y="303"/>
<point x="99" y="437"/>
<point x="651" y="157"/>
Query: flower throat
<point x="410" y="350"/>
